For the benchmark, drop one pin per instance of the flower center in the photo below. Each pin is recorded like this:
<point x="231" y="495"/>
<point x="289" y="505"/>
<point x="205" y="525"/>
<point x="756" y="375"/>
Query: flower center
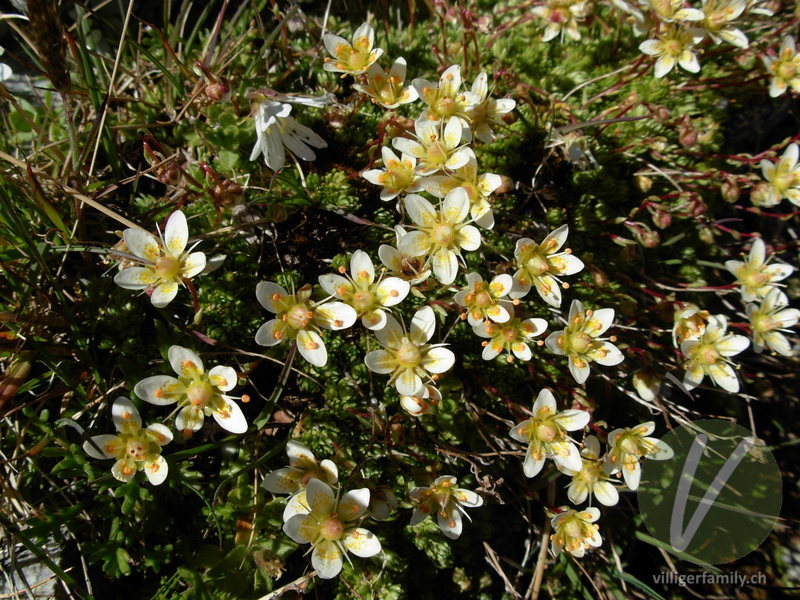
<point x="200" y="393"/>
<point x="408" y="354"/>
<point x="509" y="334"/>
<point x="673" y="48"/>
<point x="764" y="323"/>
<point x="707" y="354"/>
<point x="437" y="155"/>
<point x="298" y="316"/>
<point x="786" y="70"/>
<point x="546" y="431"/>
<point x="168" y="267"/>
<point x="579" y="343"/>
<point x="136" y="449"/>
<point x="483" y="299"/>
<point x="363" y="301"/>
<point x="331" y="528"/>
<point x="443" y="234"/>
<point x="537" y="264"/>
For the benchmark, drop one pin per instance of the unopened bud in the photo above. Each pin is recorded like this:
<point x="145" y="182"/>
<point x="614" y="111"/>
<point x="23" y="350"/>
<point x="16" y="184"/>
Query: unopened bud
<point x="643" y="183"/>
<point x="218" y="91"/>
<point x="730" y="190"/>
<point x="661" y="114"/>
<point x="661" y="218"/>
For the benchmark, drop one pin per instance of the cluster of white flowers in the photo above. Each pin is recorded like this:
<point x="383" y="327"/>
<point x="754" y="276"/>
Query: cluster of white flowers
<point x="196" y="392"/>
<point x="781" y="180"/>
<point x="677" y="29"/>
<point x="317" y="514"/>
<point x="546" y="434"/>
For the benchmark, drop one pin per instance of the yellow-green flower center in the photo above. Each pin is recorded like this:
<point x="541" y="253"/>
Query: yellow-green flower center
<point x="331" y="528"/>
<point x="168" y="267"/>
<point x="298" y="316"/>
<point x="200" y="393"/>
<point x="408" y="355"/>
<point x="706" y="354"/>
<point x="363" y="300"/>
<point x="578" y="343"/>
<point x="483" y="299"/>
<point x="443" y="234"/>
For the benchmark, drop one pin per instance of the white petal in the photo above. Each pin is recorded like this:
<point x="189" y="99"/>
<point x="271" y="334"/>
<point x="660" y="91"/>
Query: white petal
<point x="455" y="206"/>
<point x="110" y="445"/>
<point x="725" y="377"/>
<point x="469" y="238"/>
<point x="224" y="378"/>
<point x="452" y="133"/>
<point x="392" y="333"/>
<point x="438" y="360"/>
<point x="335" y="316"/>
<point x="353" y="505"/>
<point x="445" y="266"/>
<point x="732" y="344"/>
<point x="312" y="348"/>
<point x="362" y="542"/>
<point x="320" y="497"/>
<point x="392" y="290"/>
<point x="267" y="293"/>
<point x="326" y="559"/>
<point x="571" y="461"/>
<point x="632" y="476"/>
<point x="231" y="419"/>
<point x="606" y="494"/>
<point x="164" y="294"/>
<point x="361" y="268"/>
<point x="189" y="417"/>
<point x="156" y="390"/>
<point x="374" y="320"/>
<point x="184" y="362"/>
<point x="607" y="354"/>
<point x="266" y="334"/>
<point x="423" y="324"/>
<point x="156" y="470"/>
<point x="599" y="322"/>
<point x="530" y="466"/>
<point x="420" y="210"/>
<point x="449" y="522"/>
<point x="176" y="233"/>
<point x="135" y="278"/>
<point x="573" y="420"/>
<point x="123" y="412"/>
<point x="521" y="350"/>
<point x="301" y="528"/>
<point x="193" y="265"/>
<point x="141" y="244"/>
<point x="545" y="400"/>
<point x="124" y="469"/>
<point x="663" y="66"/>
<point x="380" y="361"/>
<point x="408" y="384"/>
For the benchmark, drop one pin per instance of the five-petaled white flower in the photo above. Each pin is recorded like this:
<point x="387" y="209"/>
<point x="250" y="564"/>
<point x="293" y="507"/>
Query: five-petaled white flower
<point x="674" y="45"/>
<point x="387" y="89"/>
<point x="708" y="355"/>
<point x="297" y="318"/>
<point x="784" y="69"/>
<point x="197" y="392"/>
<point x="575" y="531"/>
<point x="435" y="148"/>
<point x="675" y="10"/>
<point x="718" y="16"/>
<point x="783" y="178"/>
<point x="135" y="449"/>
<point x="407" y="355"/>
<point x="411" y="268"/>
<point x="331" y="527"/>
<point x="303" y="467"/>
<point x="440" y="234"/>
<point x="512" y="336"/>
<point x="445" y="99"/>
<point x="755" y="274"/>
<point x="541" y="265"/>
<point x="591" y="479"/>
<point x="367" y="296"/>
<point x="447" y="501"/>
<point x="398" y="175"/>
<point x="165" y="262"/>
<point x="478" y="188"/>
<point x="627" y="445"/>
<point x="562" y="17"/>
<point x="484" y="300"/>
<point x="355" y="58"/>
<point x="546" y="435"/>
<point x="769" y="319"/>
<point x="276" y="131"/>
<point x="487" y="111"/>
<point x="581" y="343"/>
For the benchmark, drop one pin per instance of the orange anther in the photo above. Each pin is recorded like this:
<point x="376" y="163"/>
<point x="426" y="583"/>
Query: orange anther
<point x="342" y="270"/>
<point x="245" y="398"/>
<point x="276" y="296"/>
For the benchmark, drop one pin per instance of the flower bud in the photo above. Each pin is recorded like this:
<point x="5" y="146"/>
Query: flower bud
<point x="218" y="91"/>
<point x="730" y="190"/>
<point x="643" y="183"/>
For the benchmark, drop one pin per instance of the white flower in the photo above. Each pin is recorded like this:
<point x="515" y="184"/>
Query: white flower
<point x="511" y="336"/>
<point x="672" y="46"/>
<point x="755" y="274"/>
<point x="478" y="188"/>
<point x="562" y="17"/>
<point x="581" y="343"/>
<point x="166" y="264"/>
<point x="386" y="89"/>
<point x="422" y="401"/>
<point x="276" y="129"/>
<point x="541" y="265"/>
<point x="435" y="148"/>
<point x="487" y="111"/>
<point x="575" y="531"/>
<point x="717" y="18"/>
<point x="440" y="234"/>
<point x="407" y="356"/>
<point x="355" y="58"/>
<point x="411" y="268"/>
<point x="708" y="355"/>
<point x="331" y="527"/>
<point x="627" y="445"/>
<point x="135" y="449"/>
<point x="783" y="177"/>
<point x="546" y="435"/>
<point x="785" y="69"/>
<point x="771" y="318"/>
<point x="198" y="393"/>
<point x="484" y="300"/>
<point x="367" y="296"/>
<point x="297" y="318"/>
<point x="399" y="175"/>
<point x="675" y="10"/>
<point x="303" y="467"/>
<point x="447" y="501"/>
<point x="445" y="99"/>
<point x="591" y="479"/>
<point x="690" y="323"/>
